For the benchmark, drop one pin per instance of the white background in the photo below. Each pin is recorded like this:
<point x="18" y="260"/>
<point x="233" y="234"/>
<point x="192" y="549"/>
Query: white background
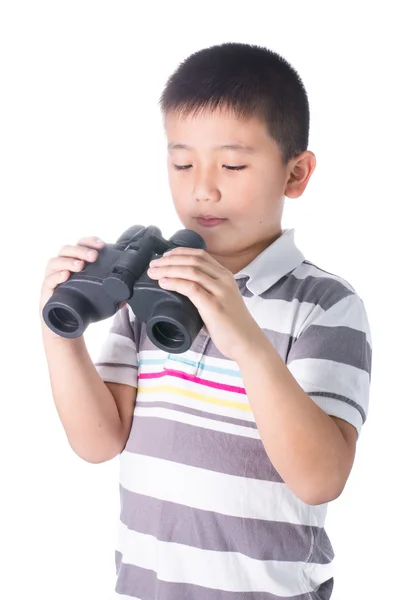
<point x="83" y="153"/>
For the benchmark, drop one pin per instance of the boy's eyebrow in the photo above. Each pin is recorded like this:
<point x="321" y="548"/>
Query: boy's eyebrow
<point x="237" y="147"/>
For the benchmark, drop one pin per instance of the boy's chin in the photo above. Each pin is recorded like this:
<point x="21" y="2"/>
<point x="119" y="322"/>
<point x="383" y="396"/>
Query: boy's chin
<point x="217" y="238"/>
<point x="221" y="245"/>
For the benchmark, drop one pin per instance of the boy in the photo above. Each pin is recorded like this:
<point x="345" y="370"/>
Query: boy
<point x="232" y="450"/>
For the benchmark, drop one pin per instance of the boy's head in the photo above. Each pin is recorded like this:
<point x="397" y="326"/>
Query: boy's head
<point x="237" y="123"/>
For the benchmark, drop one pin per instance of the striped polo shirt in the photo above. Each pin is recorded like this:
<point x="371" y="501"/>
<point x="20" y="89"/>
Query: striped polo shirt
<point x="204" y="515"/>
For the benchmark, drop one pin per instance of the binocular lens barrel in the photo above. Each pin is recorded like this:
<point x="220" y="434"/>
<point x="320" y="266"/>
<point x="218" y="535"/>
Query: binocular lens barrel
<point x="168" y="335"/>
<point x="68" y="313"/>
<point x="173" y="329"/>
<point x="63" y="320"/>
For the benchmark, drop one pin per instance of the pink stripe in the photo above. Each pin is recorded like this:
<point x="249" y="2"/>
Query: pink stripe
<point x="206" y="382"/>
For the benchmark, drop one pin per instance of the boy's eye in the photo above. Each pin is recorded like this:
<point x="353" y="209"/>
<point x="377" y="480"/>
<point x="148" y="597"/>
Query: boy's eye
<point x="228" y="167"/>
<point x="231" y="168"/>
<point x="182" y="167"/>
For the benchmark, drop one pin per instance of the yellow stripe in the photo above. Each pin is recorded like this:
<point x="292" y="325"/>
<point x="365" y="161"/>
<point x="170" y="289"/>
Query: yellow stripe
<point x="170" y="389"/>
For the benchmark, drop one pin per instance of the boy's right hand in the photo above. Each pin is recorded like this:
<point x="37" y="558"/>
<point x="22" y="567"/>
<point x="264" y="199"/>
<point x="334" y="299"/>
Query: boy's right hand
<point x="70" y="259"/>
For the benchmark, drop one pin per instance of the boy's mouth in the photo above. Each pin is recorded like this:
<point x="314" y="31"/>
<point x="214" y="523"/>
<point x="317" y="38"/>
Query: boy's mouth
<point x="209" y="220"/>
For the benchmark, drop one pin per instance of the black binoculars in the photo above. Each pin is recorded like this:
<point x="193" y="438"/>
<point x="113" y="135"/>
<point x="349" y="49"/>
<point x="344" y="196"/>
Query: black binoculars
<point x="120" y="275"/>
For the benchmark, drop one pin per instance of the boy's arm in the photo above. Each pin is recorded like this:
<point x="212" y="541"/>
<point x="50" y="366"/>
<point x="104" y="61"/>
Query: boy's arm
<point x="125" y="397"/>
<point x="96" y="417"/>
<point x="310" y="412"/>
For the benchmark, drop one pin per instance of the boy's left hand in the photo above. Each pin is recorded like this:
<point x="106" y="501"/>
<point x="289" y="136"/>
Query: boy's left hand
<point x="214" y="292"/>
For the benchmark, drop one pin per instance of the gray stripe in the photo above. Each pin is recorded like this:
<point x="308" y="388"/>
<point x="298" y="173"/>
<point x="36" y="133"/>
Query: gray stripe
<point x="198" y="413"/>
<point x="339" y="344"/>
<point x="342" y="399"/>
<point x="332" y="275"/>
<point x="213" y="450"/>
<point x="121" y="324"/>
<point x="142" y="583"/>
<point x="242" y="281"/>
<point x="321" y="291"/>
<point x="282" y="342"/>
<point x="203" y="344"/>
<point x="112" y="364"/>
<point x="256" y="538"/>
<point x="145" y="342"/>
<point x="246" y="293"/>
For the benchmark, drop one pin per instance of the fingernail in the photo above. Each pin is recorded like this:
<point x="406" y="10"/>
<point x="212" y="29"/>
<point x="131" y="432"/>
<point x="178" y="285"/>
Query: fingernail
<point x="77" y="263"/>
<point x="91" y="253"/>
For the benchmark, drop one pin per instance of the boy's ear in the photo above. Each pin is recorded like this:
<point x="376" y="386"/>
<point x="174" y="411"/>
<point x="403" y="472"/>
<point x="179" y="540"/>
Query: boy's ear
<point x="300" y="170"/>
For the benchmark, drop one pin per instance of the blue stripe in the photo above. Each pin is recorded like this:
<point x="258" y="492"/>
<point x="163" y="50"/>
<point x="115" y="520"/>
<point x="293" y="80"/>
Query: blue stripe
<point x="203" y="366"/>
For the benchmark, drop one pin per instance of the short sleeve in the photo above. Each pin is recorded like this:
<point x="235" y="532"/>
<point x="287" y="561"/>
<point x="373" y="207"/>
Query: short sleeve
<point x="331" y="359"/>
<point x="117" y="359"/>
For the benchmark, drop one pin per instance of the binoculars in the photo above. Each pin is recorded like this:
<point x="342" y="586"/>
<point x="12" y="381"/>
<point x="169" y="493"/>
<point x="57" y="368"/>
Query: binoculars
<point x="120" y="274"/>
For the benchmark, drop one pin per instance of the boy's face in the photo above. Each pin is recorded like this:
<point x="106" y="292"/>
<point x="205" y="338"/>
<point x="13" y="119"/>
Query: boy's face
<point x="229" y="168"/>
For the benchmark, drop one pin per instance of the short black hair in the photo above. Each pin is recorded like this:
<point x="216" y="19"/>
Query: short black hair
<point x="251" y="81"/>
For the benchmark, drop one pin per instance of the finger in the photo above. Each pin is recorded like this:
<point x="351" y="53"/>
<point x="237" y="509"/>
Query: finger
<point x="63" y="263"/>
<point x="194" y="252"/>
<point x="53" y="280"/>
<point x="192" y="274"/>
<point x="91" y="242"/>
<point x="191" y="289"/>
<point x="80" y="252"/>
<point x="213" y="269"/>
<point x="202" y="261"/>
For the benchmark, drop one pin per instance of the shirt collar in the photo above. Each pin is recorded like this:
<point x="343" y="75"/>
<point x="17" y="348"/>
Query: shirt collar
<point x="276" y="261"/>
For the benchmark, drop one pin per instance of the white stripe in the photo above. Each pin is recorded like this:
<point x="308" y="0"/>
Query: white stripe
<point x="210" y="361"/>
<point x="224" y="363"/>
<point x="202" y="366"/>
<point x="215" y="409"/>
<point x="197" y="388"/>
<point x="203" y="369"/>
<point x="218" y="492"/>
<point x="319" y="375"/>
<point x="182" y="417"/>
<point x="199" y="369"/>
<point x="189" y="355"/>
<point x="228" y="571"/>
<point x="292" y="318"/>
<point x="155" y="354"/>
<point x="348" y="312"/>
<point x="281" y="316"/>
<point x="125" y="375"/>
<point x="131" y="314"/>
<point x="336" y="408"/>
<point x="118" y="349"/>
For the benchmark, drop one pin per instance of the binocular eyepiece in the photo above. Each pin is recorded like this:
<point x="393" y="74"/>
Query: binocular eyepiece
<point x="120" y="275"/>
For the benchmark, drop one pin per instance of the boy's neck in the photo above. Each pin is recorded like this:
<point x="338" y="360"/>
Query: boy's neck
<point x="238" y="261"/>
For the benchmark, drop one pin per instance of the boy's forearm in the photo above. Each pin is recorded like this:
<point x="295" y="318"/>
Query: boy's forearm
<point x="84" y="403"/>
<point x="304" y="444"/>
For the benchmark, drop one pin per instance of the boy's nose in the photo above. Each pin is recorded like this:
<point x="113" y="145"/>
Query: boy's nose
<point x="206" y="191"/>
